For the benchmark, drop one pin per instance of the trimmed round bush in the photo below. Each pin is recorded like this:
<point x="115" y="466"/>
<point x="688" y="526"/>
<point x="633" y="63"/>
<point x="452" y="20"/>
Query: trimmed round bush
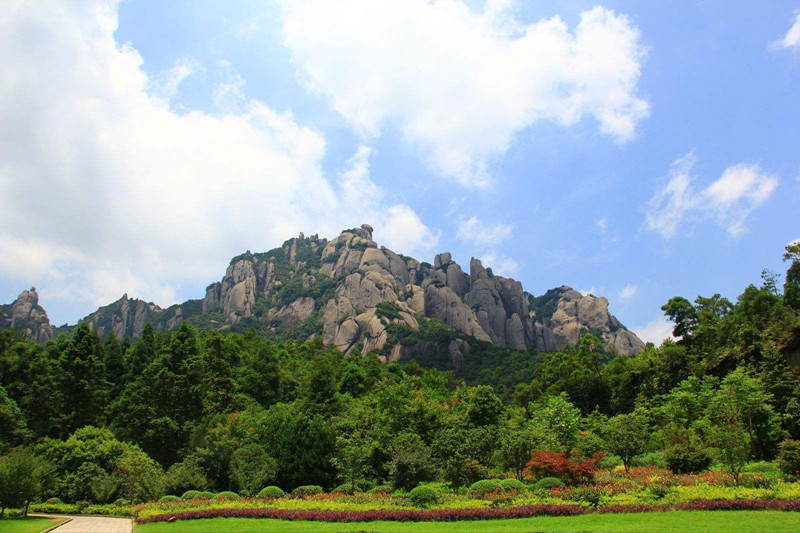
<point x="121" y="502"/>
<point x="388" y="489"/>
<point x="271" y="492"/>
<point x="511" y="484"/>
<point x="547" y="483"/>
<point x="344" y="488"/>
<point x="307" y="490"/>
<point x="226" y="495"/>
<point x="483" y="487"/>
<point x="169" y="498"/>
<point x="687" y="458"/>
<point x="191" y="495"/>
<point x="205" y="495"/>
<point x="53" y="501"/>
<point x="422" y="496"/>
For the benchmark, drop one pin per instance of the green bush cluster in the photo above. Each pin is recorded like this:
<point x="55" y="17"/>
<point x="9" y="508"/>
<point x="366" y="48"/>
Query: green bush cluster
<point x="481" y="488"/>
<point x="226" y="495"/>
<point x="547" y="483"/>
<point x="423" y="496"/>
<point x="307" y="490"/>
<point x="271" y="492"/>
<point x="169" y="498"/>
<point x="687" y="458"/>
<point x="191" y="495"/>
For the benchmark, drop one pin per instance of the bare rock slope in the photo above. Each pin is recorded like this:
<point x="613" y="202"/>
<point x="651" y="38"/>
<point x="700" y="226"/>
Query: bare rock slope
<point x="354" y="294"/>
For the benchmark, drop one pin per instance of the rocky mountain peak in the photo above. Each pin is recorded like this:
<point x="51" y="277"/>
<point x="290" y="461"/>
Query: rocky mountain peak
<point x="26" y="314"/>
<point x="353" y="293"/>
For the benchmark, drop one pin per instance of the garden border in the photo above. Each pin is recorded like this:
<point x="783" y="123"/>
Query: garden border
<point x="477" y="513"/>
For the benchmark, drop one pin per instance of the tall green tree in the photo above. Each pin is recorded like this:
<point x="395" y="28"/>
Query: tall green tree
<point x="83" y="380"/>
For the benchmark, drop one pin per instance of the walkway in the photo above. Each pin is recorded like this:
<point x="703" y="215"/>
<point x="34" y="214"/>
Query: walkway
<point x="93" y="524"/>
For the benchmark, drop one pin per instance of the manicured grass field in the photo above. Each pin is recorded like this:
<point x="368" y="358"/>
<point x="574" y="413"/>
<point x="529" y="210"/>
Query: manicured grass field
<point x="28" y="525"/>
<point x="674" y="521"/>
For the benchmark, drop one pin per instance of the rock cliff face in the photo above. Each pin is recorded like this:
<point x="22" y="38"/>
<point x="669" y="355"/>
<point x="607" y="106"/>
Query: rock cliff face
<point x="127" y="316"/>
<point x="358" y="295"/>
<point x="26" y="314"/>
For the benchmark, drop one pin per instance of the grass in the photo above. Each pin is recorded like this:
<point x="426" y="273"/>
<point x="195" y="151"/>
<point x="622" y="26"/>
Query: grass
<point x="675" y="521"/>
<point x="28" y="525"/>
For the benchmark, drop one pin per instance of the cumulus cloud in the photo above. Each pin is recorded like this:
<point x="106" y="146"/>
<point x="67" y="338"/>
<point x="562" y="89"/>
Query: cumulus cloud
<point x="500" y="264"/>
<point x="728" y="200"/>
<point x="486" y="238"/>
<point x="792" y="37"/>
<point x="461" y="84"/>
<point x="480" y="234"/>
<point x="655" y="331"/>
<point x="104" y="189"/>
<point x="628" y="292"/>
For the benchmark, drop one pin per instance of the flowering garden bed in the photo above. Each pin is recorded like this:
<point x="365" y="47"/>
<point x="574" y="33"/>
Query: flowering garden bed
<point x="450" y="515"/>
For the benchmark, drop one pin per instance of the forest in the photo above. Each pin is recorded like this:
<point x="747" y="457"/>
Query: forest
<point x="109" y="420"/>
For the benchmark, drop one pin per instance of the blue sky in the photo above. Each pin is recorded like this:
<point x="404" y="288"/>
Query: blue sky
<point x="637" y="150"/>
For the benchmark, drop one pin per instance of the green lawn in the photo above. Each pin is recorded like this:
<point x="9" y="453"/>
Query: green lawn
<point x="674" y="521"/>
<point x="27" y="525"/>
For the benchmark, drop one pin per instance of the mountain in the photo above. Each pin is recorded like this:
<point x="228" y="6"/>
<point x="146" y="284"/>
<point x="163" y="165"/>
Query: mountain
<point x="357" y="295"/>
<point x="28" y="316"/>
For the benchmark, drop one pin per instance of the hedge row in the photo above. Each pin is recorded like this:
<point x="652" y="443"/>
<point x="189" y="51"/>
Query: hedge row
<point x="449" y="515"/>
<point x="398" y="515"/>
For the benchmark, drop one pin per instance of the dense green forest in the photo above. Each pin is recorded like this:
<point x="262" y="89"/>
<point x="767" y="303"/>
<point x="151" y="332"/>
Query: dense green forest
<point x="192" y="409"/>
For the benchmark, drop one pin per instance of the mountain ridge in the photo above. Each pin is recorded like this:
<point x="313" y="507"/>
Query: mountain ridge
<point x="357" y="295"/>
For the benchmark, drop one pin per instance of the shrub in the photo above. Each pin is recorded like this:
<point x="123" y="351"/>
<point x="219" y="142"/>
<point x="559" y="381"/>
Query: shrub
<point x="512" y="484"/>
<point x="205" y="495"/>
<point x="756" y="481"/>
<point x="659" y="491"/>
<point x="422" y="496"/>
<point x="687" y="458"/>
<point x="761" y="467"/>
<point x="191" y="495"/>
<point x="588" y="495"/>
<point x="226" y="495"/>
<point x="556" y="464"/>
<point x="271" y="492"/>
<point x="122" y="502"/>
<point x="547" y="483"/>
<point x="789" y="459"/>
<point x="382" y="488"/>
<point x="169" y="498"/>
<point x="481" y="488"/>
<point x="307" y="490"/>
<point x="53" y="501"/>
<point x="650" y="459"/>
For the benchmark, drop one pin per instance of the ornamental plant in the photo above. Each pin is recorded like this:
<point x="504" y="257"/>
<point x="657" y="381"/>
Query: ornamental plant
<point x="789" y="459"/>
<point x="271" y="492"/>
<point x="422" y="496"/>
<point x="556" y="464"/>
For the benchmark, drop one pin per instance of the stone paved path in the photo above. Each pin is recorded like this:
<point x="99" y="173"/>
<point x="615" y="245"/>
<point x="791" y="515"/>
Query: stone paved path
<point x="92" y="524"/>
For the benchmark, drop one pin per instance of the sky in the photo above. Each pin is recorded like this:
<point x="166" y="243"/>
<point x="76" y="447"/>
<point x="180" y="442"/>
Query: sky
<point x="634" y="150"/>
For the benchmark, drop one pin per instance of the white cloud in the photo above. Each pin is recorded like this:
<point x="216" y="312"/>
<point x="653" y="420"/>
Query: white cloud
<point x="592" y="290"/>
<point x="628" y="292"/>
<point x="728" y="200"/>
<point x="104" y="189"/>
<point x="792" y="37"/>
<point x="500" y="264"/>
<point x="481" y="234"/>
<point x="459" y="84"/>
<point x="655" y="331"/>
<point x="601" y="224"/>
<point x="166" y="85"/>
<point x="487" y="237"/>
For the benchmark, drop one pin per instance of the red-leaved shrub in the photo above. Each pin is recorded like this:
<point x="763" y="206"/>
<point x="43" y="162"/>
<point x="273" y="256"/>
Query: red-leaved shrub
<point x="556" y="464"/>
